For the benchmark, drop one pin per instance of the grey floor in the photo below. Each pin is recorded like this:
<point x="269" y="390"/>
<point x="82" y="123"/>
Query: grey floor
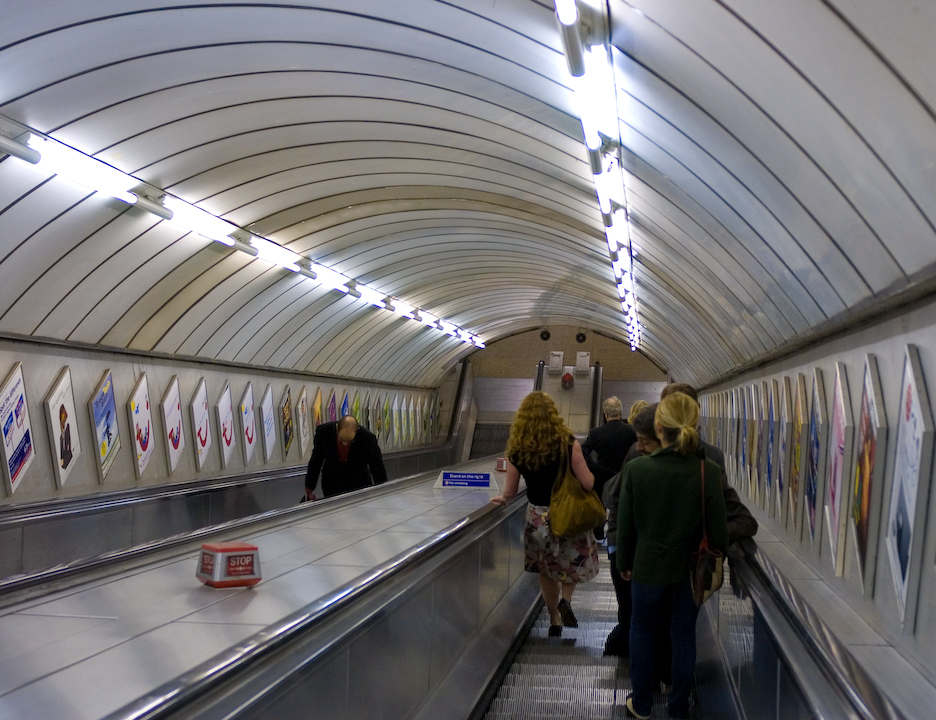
<point x="87" y="651"/>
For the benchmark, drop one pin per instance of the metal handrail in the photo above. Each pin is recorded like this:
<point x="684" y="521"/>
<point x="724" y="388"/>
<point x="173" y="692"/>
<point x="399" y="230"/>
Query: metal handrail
<point x="173" y="695"/>
<point x="839" y="665"/>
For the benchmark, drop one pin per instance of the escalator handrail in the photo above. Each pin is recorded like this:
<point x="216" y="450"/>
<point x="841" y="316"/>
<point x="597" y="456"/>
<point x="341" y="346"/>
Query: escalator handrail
<point x="839" y="665"/>
<point x="175" y="694"/>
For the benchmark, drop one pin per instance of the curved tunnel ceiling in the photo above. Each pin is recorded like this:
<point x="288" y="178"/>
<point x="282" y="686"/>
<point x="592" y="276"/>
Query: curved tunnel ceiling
<point x="779" y="163"/>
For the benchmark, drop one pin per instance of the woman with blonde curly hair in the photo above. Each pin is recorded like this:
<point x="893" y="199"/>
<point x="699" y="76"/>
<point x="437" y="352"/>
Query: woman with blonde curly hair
<point x="539" y="447"/>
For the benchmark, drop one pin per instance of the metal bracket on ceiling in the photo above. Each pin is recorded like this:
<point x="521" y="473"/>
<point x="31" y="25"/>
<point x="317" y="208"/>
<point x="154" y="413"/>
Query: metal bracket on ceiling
<point x="593" y="24"/>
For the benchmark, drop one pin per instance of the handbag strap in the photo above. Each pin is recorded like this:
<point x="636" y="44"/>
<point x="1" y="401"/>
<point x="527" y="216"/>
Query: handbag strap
<point x="704" y="531"/>
<point x="565" y="460"/>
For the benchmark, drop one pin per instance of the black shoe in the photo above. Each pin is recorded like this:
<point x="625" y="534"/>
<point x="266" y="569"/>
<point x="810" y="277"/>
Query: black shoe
<point x="555" y="631"/>
<point x="568" y="617"/>
<point x="629" y="704"/>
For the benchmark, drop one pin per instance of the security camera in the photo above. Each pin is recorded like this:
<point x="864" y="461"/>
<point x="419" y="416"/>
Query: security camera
<point x="580" y="337"/>
<point x="544" y="334"/>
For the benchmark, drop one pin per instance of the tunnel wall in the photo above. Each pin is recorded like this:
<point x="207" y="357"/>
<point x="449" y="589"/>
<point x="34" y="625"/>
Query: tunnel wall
<point x="42" y="364"/>
<point x="887" y="341"/>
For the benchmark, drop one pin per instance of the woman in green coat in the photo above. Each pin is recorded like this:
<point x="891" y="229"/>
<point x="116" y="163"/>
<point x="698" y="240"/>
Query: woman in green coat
<point x="659" y="527"/>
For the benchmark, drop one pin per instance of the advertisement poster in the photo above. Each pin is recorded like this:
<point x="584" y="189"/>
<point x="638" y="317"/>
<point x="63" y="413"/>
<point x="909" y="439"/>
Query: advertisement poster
<point x="815" y="456"/>
<point x="345" y="405"/>
<point x="378" y="419"/>
<point x="396" y="423"/>
<point x="172" y="424"/>
<point x="62" y="419"/>
<point x="248" y="422"/>
<point x="103" y="409"/>
<point x="405" y="422"/>
<point x="783" y="459"/>
<point x="141" y="425"/>
<point x="910" y="488"/>
<point x="757" y="453"/>
<point x="286" y="420"/>
<point x="839" y="458"/>
<point x="387" y="422"/>
<point x="332" y="407"/>
<point x="18" y="448"/>
<point x="356" y="407"/>
<point x="303" y="429"/>
<point x="366" y="412"/>
<point x="798" y="455"/>
<point x="869" y="474"/>
<point x="226" y="430"/>
<point x="771" y="439"/>
<point x="268" y="421"/>
<point x="744" y="439"/>
<point x="201" y="423"/>
<point x="317" y="409"/>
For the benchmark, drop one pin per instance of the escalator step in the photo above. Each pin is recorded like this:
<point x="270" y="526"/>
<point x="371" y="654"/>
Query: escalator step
<point x="568" y="677"/>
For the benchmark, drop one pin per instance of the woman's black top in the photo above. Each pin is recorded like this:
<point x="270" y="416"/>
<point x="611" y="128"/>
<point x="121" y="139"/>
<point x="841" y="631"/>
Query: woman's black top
<point x="540" y="481"/>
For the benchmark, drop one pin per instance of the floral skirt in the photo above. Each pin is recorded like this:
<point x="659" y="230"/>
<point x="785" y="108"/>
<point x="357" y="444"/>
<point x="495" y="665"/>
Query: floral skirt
<point x="572" y="559"/>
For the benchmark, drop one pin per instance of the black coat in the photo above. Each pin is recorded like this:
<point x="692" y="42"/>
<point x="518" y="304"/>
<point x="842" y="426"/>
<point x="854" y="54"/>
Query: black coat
<point x="364" y="461"/>
<point x="610" y="442"/>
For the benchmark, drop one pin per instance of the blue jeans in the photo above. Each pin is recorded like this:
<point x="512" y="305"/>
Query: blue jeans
<point x="646" y="600"/>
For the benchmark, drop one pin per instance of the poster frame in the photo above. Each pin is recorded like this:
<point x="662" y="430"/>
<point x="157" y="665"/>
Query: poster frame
<point x="141" y="455"/>
<point x="174" y="450"/>
<point x="14" y="377"/>
<point x="225" y="409"/>
<point x="268" y="423"/>
<point x="798" y="458"/>
<point x="301" y="416"/>
<point x="785" y="449"/>
<point x="912" y="394"/>
<point x="247" y="418"/>
<point x="287" y="425"/>
<point x="200" y="412"/>
<point x="62" y="394"/>
<point x="836" y="509"/>
<point x="770" y="455"/>
<point x="874" y="479"/>
<point x="817" y="445"/>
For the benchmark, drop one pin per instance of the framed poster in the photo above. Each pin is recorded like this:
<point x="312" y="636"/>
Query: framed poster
<point x="142" y="434"/>
<point x="103" y="409"/>
<point x="798" y="456"/>
<point x="248" y="422"/>
<point x="356" y="407"/>
<point x="201" y="423"/>
<point x="19" y="448"/>
<point x="286" y="420"/>
<point x="388" y="421"/>
<point x="172" y="423"/>
<point x="345" y="406"/>
<point x="61" y="420"/>
<point x="784" y="454"/>
<point x="332" y="407"/>
<point x="397" y="422"/>
<point x="815" y="459"/>
<point x="743" y="437"/>
<point x="226" y="430"/>
<point x="378" y="418"/>
<point x="867" y="493"/>
<point x="906" y="517"/>
<point x="366" y="412"/>
<point x="841" y="432"/>
<point x="268" y="422"/>
<point x="317" y="409"/>
<point x="770" y="464"/>
<point x="301" y="414"/>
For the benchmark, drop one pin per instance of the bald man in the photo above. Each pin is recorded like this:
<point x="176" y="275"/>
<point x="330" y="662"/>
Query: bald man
<point x="347" y="456"/>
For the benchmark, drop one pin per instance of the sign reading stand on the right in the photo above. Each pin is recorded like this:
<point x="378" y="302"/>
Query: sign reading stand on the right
<point x="906" y="517"/>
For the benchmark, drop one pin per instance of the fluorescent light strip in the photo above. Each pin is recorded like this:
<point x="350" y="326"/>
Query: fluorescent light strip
<point x="73" y="165"/>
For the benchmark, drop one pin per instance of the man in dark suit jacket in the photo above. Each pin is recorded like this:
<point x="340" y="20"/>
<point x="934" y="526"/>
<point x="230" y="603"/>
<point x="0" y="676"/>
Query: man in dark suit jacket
<point x="610" y="443"/>
<point x="347" y="456"/>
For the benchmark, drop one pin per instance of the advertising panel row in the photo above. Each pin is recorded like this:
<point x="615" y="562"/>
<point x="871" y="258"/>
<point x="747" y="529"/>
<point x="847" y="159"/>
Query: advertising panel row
<point x="822" y="477"/>
<point x="399" y="420"/>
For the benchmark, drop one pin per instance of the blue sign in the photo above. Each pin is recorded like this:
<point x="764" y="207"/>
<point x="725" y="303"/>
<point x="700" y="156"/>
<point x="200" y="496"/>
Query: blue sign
<point x="461" y="479"/>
